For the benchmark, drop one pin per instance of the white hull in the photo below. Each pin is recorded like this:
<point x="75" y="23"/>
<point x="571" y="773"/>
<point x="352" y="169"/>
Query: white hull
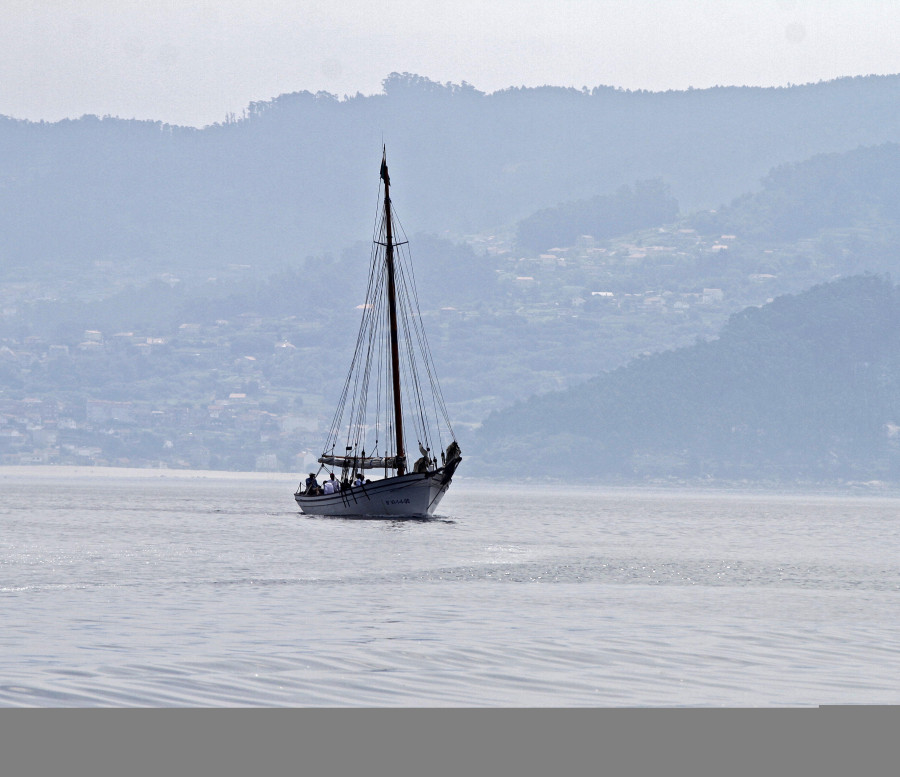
<point x="413" y="495"/>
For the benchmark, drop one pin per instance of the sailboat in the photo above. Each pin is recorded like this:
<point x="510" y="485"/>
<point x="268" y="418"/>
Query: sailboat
<point x="391" y="395"/>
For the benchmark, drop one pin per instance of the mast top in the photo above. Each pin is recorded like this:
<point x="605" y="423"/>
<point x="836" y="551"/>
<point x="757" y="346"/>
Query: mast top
<point x="384" y="170"/>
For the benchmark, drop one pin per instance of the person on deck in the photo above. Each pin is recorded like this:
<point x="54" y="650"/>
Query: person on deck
<point x="358" y="481"/>
<point x="312" y="485"/>
<point x="329" y="487"/>
<point x="335" y="484"/>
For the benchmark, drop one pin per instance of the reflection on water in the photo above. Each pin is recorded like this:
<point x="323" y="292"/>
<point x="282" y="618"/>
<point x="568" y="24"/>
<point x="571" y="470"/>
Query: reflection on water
<point x="117" y="591"/>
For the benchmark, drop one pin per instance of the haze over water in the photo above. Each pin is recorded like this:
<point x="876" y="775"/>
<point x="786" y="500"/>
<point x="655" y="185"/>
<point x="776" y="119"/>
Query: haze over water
<point x="157" y="591"/>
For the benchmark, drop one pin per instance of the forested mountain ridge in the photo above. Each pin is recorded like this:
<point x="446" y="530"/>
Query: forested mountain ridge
<point x="647" y="204"/>
<point x="805" y="387"/>
<point x="286" y="180"/>
<point x="850" y="189"/>
<point x="828" y="191"/>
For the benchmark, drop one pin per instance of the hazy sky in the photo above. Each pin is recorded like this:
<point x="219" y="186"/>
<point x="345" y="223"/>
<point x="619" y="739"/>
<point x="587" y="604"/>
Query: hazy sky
<point x="194" y="62"/>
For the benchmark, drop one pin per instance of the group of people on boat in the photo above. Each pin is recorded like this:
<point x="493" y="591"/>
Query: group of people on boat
<point x="332" y="485"/>
<point x="312" y="487"/>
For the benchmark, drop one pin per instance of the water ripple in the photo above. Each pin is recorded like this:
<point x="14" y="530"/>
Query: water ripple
<point x="217" y="593"/>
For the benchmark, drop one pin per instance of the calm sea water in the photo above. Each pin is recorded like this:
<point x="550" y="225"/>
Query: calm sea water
<point x="157" y="591"/>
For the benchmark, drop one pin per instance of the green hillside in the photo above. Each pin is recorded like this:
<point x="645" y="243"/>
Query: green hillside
<point x="807" y="386"/>
<point x="857" y="188"/>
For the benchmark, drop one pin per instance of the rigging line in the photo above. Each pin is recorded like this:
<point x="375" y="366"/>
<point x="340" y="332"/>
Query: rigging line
<point x="424" y="421"/>
<point x="418" y="327"/>
<point x="436" y="391"/>
<point x="387" y="383"/>
<point x="361" y="402"/>
<point x="337" y="419"/>
<point x="358" y="371"/>
<point x="372" y="346"/>
<point x="359" y="430"/>
<point x="391" y="438"/>
<point x="420" y="420"/>
<point x="411" y="375"/>
<point x="378" y="203"/>
<point x="411" y="314"/>
<point x="369" y="318"/>
<point x="355" y="396"/>
<point x="338" y="413"/>
<point x="378" y="339"/>
<point x="339" y="409"/>
<point x="404" y="370"/>
<point x="378" y="335"/>
<point x="426" y="348"/>
<point x="436" y="398"/>
<point x="404" y="364"/>
<point x="411" y="355"/>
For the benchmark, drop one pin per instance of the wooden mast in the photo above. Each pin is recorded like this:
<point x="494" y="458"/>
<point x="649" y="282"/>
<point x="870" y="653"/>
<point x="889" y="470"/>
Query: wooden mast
<point x="392" y="312"/>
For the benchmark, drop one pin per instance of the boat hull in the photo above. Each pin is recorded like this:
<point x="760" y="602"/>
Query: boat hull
<point x="415" y="495"/>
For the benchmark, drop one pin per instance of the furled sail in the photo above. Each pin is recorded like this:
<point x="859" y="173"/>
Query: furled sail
<point x="361" y="462"/>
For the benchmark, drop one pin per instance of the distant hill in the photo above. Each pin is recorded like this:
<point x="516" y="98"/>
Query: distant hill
<point x="647" y="204"/>
<point x="833" y="191"/>
<point x="807" y="386"/>
<point x="316" y="290"/>
<point x="297" y="175"/>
